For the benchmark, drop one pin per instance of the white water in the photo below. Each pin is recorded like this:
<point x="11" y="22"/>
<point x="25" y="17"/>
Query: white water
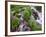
<point x="39" y="15"/>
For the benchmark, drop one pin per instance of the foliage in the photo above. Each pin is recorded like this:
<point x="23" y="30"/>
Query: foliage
<point x="27" y="12"/>
<point x="33" y="25"/>
<point x="15" y="23"/>
<point x="38" y="8"/>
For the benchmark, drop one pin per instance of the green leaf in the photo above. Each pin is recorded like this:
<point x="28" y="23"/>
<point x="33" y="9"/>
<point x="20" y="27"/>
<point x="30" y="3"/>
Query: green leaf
<point x="15" y="23"/>
<point x="27" y="13"/>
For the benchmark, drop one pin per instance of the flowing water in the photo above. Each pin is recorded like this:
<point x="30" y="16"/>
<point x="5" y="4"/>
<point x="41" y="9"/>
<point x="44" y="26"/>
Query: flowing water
<point x="39" y="20"/>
